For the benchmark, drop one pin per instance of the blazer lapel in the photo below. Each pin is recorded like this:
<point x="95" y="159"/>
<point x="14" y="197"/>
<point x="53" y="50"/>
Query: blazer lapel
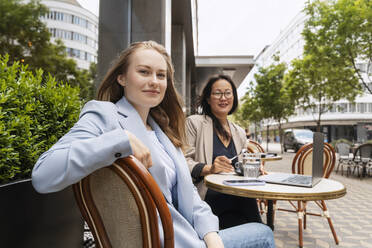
<point x="131" y="121"/>
<point x="184" y="182"/>
<point x="208" y="139"/>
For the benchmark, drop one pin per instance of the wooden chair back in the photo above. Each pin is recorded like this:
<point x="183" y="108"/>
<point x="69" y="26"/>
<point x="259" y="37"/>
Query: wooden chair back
<point x="255" y="147"/>
<point x="121" y="204"/>
<point x="302" y="162"/>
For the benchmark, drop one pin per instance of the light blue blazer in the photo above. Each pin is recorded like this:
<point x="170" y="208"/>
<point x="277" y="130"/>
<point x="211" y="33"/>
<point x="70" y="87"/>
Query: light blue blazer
<point x="98" y="139"/>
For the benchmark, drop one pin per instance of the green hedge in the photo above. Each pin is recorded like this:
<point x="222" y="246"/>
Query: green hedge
<point x="34" y="114"/>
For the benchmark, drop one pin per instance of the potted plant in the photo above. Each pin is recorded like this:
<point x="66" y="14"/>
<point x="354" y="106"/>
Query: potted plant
<point x="35" y="111"/>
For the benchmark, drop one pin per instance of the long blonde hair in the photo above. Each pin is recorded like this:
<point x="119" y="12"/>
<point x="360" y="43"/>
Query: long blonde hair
<point x="168" y="114"/>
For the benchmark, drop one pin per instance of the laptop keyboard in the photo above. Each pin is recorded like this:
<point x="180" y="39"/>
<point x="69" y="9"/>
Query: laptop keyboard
<point x="298" y="179"/>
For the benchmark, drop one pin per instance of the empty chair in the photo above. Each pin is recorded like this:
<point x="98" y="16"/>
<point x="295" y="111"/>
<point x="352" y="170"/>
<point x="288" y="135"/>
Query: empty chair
<point x="361" y="160"/>
<point x="301" y="164"/>
<point x="121" y="204"/>
<point x="344" y="159"/>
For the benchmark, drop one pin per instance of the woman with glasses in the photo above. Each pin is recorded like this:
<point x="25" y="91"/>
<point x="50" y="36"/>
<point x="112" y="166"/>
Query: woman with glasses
<point x="212" y="141"/>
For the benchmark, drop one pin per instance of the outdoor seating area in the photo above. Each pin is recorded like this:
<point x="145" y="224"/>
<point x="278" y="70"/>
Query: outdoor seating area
<point x="351" y="215"/>
<point x="341" y="225"/>
<point x="188" y="123"/>
<point x="354" y="161"/>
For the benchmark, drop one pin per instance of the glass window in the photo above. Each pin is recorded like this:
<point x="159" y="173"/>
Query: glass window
<point x="342" y="107"/>
<point x="332" y="108"/>
<point x="352" y="107"/>
<point x="369" y="109"/>
<point x="361" y="107"/>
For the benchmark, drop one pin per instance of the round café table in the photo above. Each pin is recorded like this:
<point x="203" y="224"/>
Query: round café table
<point x="326" y="189"/>
<point x="274" y="158"/>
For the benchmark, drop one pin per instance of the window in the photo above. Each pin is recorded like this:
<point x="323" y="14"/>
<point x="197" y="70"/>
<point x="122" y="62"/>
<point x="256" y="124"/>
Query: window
<point x="361" y="107"/>
<point x="369" y="107"/>
<point x="342" y="107"/>
<point x="352" y="107"/>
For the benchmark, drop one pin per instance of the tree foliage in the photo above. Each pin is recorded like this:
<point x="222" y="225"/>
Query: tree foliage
<point x="268" y="99"/>
<point x="34" y="114"/>
<point x="340" y="33"/>
<point x="26" y="39"/>
<point x="334" y="40"/>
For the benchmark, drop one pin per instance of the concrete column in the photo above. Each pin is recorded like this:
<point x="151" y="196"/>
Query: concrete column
<point x="179" y="59"/>
<point x="152" y="20"/>
<point x="122" y="22"/>
<point x="189" y="99"/>
<point x="114" y="32"/>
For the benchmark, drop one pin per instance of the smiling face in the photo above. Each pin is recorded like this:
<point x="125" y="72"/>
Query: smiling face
<point x="145" y="80"/>
<point x="221" y="98"/>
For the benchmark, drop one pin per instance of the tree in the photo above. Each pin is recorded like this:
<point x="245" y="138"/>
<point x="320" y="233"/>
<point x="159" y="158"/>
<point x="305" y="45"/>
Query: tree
<point x="269" y="94"/>
<point x="326" y="72"/>
<point x="250" y="110"/>
<point x="340" y="32"/>
<point x="237" y="117"/>
<point x="26" y="39"/>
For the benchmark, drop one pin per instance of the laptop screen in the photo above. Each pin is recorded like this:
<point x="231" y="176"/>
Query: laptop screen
<point x="318" y="146"/>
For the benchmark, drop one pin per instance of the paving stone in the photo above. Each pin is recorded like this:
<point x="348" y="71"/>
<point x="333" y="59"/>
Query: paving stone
<point x="351" y="215"/>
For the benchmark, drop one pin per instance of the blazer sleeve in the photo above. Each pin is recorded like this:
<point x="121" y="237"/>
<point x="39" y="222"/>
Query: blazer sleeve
<point x="204" y="219"/>
<point x="195" y="167"/>
<point x="92" y="143"/>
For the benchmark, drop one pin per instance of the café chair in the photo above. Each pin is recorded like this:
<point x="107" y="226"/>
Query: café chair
<point x="255" y="147"/>
<point x="121" y="204"/>
<point x="302" y="164"/>
<point x="361" y="161"/>
<point x="344" y="159"/>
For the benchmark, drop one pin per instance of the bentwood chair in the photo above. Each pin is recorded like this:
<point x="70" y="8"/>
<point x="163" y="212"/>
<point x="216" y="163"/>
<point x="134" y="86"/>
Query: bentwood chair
<point x="255" y="147"/>
<point x="302" y="164"/>
<point x="121" y="204"/>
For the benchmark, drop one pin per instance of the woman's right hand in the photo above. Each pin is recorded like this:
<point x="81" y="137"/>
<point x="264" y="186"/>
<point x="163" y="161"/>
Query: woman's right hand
<point x="221" y="164"/>
<point x="140" y="151"/>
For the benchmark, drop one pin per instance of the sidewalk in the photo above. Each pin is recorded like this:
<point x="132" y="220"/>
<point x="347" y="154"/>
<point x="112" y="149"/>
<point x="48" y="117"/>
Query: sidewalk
<point x="351" y="214"/>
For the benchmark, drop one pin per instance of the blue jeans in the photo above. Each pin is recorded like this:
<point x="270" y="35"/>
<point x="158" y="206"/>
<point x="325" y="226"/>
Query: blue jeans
<point x="252" y="235"/>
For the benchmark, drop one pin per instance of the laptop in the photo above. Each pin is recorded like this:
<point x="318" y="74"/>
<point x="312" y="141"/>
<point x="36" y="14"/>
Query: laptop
<point x="303" y="180"/>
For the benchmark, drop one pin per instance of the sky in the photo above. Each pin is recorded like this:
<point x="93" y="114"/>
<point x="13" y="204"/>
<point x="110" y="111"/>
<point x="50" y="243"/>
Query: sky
<point x="236" y="27"/>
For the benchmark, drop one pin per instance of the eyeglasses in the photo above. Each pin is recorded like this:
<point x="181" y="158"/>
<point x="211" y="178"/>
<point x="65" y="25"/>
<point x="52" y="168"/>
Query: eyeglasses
<point x="218" y="94"/>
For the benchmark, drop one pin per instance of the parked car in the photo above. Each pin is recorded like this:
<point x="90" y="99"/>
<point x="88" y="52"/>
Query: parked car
<point x="296" y="138"/>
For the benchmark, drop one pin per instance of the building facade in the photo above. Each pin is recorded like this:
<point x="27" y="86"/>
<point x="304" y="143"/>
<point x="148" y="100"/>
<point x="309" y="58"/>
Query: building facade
<point x="76" y="27"/>
<point x="349" y="120"/>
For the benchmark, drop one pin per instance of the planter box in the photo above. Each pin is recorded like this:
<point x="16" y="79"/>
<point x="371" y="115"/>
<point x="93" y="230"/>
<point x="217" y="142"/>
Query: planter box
<point x="29" y="219"/>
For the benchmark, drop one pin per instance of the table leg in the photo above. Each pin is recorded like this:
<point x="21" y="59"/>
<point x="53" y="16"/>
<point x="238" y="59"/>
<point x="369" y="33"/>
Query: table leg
<point x="269" y="214"/>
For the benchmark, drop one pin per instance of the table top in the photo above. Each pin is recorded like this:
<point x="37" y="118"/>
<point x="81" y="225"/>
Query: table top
<point x="326" y="189"/>
<point x="274" y="158"/>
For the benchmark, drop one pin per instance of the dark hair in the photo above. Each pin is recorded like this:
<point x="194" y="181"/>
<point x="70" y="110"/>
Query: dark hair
<point x="206" y="108"/>
<point x="168" y="114"/>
